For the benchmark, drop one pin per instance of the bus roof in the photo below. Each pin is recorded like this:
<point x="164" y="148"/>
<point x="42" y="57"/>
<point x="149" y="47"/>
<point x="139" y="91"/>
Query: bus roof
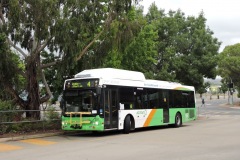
<point x="149" y="83"/>
<point x="112" y="76"/>
<point x="111" y="73"/>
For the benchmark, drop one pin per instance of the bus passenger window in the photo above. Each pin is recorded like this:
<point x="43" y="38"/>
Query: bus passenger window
<point x="126" y="97"/>
<point x="153" y="98"/>
<point x="139" y="103"/>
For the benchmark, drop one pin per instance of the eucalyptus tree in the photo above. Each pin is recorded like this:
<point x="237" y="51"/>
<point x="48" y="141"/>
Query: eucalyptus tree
<point x="187" y="50"/>
<point x="122" y="32"/>
<point x="141" y="53"/>
<point x="66" y="29"/>
<point x="132" y="43"/>
<point x="10" y="66"/>
<point x="203" y="88"/>
<point x="224" y="86"/>
<point x="228" y="64"/>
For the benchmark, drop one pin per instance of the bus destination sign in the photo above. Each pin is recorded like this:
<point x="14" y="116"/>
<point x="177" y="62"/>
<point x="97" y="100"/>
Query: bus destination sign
<point x="82" y="83"/>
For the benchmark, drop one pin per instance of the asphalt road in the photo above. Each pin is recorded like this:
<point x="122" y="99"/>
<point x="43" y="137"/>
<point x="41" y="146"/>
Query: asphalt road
<point x="214" y="136"/>
<point x="218" y="107"/>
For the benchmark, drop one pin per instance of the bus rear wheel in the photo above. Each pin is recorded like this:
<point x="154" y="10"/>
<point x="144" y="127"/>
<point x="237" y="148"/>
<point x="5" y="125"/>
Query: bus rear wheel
<point x="178" y="120"/>
<point x="127" y="125"/>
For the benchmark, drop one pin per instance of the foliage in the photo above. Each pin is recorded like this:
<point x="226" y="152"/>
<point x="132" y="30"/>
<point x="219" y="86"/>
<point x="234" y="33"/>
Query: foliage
<point x="30" y="127"/>
<point x="53" y="77"/>
<point x="7" y="116"/>
<point x="203" y="89"/>
<point x="52" y="114"/>
<point x="21" y="125"/>
<point x="187" y="49"/>
<point x="228" y="65"/>
<point x="224" y="86"/>
<point x="53" y="32"/>
<point x="164" y="46"/>
<point x="121" y="33"/>
<point x="10" y="72"/>
<point x="141" y="53"/>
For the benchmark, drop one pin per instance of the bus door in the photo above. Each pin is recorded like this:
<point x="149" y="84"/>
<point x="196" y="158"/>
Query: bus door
<point x="165" y="101"/>
<point x="110" y="109"/>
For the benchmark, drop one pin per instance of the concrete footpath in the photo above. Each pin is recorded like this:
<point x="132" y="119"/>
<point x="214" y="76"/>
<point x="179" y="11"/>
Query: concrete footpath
<point x="30" y="136"/>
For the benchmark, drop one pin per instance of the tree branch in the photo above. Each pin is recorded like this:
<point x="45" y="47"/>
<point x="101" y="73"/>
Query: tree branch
<point x="17" y="99"/>
<point x="107" y="23"/>
<point x="1" y="11"/>
<point x="88" y="46"/>
<point x="43" y="45"/>
<point x="43" y="66"/>
<point x="49" y="93"/>
<point x="37" y="47"/>
<point x="8" y="40"/>
<point x="17" y="48"/>
<point x="1" y="15"/>
<point x="44" y="99"/>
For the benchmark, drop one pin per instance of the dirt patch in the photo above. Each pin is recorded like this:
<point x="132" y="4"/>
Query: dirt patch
<point x="236" y="104"/>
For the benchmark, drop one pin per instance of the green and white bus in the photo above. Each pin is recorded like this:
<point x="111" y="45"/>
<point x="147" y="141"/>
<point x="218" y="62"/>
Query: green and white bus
<point x="114" y="99"/>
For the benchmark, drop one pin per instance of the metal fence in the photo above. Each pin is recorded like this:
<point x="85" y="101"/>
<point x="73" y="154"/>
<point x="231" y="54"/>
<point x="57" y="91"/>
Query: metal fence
<point x="17" y="121"/>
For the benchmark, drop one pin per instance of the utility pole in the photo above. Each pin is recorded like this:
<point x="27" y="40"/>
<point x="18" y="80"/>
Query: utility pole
<point x="230" y="92"/>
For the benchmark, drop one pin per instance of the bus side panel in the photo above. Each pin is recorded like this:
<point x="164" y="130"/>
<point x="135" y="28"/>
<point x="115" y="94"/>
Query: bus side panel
<point x="142" y="118"/>
<point x="139" y="117"/>
<point x="188" y="114"/>
<point x="155" y="118"/>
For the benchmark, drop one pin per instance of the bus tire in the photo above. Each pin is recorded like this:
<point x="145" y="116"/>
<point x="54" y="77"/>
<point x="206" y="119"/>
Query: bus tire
<point x="178" y="120"/>
<point x="127" y="124"/>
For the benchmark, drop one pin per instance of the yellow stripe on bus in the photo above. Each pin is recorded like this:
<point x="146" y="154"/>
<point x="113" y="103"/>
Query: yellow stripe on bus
<point x="182" y="88"/>
<point x="149" y="118"/>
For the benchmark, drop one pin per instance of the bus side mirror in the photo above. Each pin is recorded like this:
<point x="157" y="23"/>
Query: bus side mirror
<point x="98" y="91"/>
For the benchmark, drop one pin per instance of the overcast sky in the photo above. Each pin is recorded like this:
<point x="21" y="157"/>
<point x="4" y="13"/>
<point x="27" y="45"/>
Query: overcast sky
<point x="223" y="16"/>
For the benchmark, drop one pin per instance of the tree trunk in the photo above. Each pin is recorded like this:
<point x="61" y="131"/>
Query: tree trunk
<point x="33" y="101"/>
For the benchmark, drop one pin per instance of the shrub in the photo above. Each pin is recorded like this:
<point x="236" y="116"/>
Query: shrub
<point x="52" y="114"/>
<point x="7" y="116"/>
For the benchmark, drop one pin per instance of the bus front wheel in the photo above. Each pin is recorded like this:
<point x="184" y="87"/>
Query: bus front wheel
<point x="178" y="120"/>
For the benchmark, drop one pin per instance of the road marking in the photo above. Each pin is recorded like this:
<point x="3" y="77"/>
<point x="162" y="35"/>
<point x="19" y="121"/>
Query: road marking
<point x="235" y="107"/>
<point x="38" y="142"/>
<point x="6" y="147"/>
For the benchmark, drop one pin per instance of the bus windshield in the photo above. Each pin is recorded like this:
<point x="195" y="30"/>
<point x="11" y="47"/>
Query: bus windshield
<point x="80" y="101"/>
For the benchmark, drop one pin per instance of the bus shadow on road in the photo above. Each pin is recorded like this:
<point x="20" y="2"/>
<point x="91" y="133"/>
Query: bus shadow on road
<point x="154" y="128"/>
<point x="119" y="132"/>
